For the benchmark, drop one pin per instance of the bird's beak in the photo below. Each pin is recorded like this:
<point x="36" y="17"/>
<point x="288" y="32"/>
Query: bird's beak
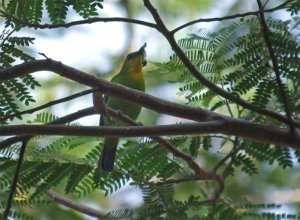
<point x="142" y="52"/>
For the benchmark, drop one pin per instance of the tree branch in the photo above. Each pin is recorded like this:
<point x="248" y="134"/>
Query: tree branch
<point x="79" y="22"/>
<point x="74" y="205"/>
<point x="166" y="144"/>
<point x="134" y="21"/>
<point x="194" y="71"/>
<point x="25" y="139"/>
<point x="181" y="180"/>
<point x="250" y="130"/>
<point x="255" y="13"/>
<point x="51" y="103"/>
<point x="156" y="104"/>
<point x="119" y="91"/>
<point x="111" y="89"/>
<point x="14" y="183"/>
<point x="266" y="35"/>
<point x="233" y="152"/>
<point x="65" y="119"/>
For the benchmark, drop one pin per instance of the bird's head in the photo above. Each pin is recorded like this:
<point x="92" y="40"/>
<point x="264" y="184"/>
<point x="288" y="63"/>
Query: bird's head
<point x="136" y="61"/>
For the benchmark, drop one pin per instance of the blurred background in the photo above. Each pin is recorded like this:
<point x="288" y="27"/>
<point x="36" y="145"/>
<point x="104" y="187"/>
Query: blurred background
<point x="100" y="49"/>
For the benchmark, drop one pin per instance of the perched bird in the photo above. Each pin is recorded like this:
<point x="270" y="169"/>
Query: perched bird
<point x="130" y="75"/>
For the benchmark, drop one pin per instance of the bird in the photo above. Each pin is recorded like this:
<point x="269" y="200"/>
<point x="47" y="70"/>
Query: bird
<point x="132" y="76"/>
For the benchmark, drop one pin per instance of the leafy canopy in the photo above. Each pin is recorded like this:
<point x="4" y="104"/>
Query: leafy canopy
<point x="234" y="57"/>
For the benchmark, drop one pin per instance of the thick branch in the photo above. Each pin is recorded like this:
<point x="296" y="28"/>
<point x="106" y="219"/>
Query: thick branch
<point x="111" y="89"/>
<point x="255" y="131"/>
<point x="190" y="66"/>
<point x="119" y="91"/>
<point x="156" y="104"/>
<point x="65" y="119"/>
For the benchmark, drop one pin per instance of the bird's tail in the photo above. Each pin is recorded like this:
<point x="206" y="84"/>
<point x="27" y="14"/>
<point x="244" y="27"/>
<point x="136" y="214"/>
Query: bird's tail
<point x="107" y="158"/>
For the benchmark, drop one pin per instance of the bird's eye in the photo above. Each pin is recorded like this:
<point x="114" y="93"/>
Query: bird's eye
<point x="131" y="56"/>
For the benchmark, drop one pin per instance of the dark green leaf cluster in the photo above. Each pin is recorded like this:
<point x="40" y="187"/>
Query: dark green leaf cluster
<point x="40" y="175"/>
<point x="137" y="163"/>
<point x="49" y="166"/>
<point x="85" y="8"/>
<point x="120" y="214"/>
<point x="53" y="165"/>
<point x="189" y="209"/>
<point x="246" y="164"/>
<point x="15" y="92"/>
<point x="18" y="13"/>
<point x="158" y="209"/>
<point x="264" y="211"/>
<point x="293" y="7"/>
<point x="142" y="164"/>
<point x="145" y="160"/>
<point x="255" y="151"/>
<point x="19" y="215"/>
<point x="237" y="59"/>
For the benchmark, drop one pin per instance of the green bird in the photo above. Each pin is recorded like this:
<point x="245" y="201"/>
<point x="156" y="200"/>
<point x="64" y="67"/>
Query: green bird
<point x="130" y="75"/>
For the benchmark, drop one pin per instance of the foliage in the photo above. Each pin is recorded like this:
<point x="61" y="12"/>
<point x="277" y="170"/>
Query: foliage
<point x="32" y="10"/>
<point x="234" y="57"/>
<point x="16" y="91"/>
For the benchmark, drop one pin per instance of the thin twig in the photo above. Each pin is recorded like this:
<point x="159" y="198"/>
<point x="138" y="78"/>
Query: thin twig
<point x="51" y="103"/>
<point x="221" y="179"/>
<point x="226" y="172"/>
<point x="13" y="186"/>
<point x="4" y="13"/>
<point x="22" y="11"/>
<point x="8" y="34"/>
<point x="218" y="192"/>
<point x="266" y="3"/>
<point x="266" y="35"/>
<point x="80" y="22"/>
<point x="228" y="106"/>
<point x="135" y="21"/>
<point x="194" y="177"/>
<point x="251" y="13"/>
<point x="234" y="150"/>
<point x="74" y="205"/>
<point x="187" y="158"/>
